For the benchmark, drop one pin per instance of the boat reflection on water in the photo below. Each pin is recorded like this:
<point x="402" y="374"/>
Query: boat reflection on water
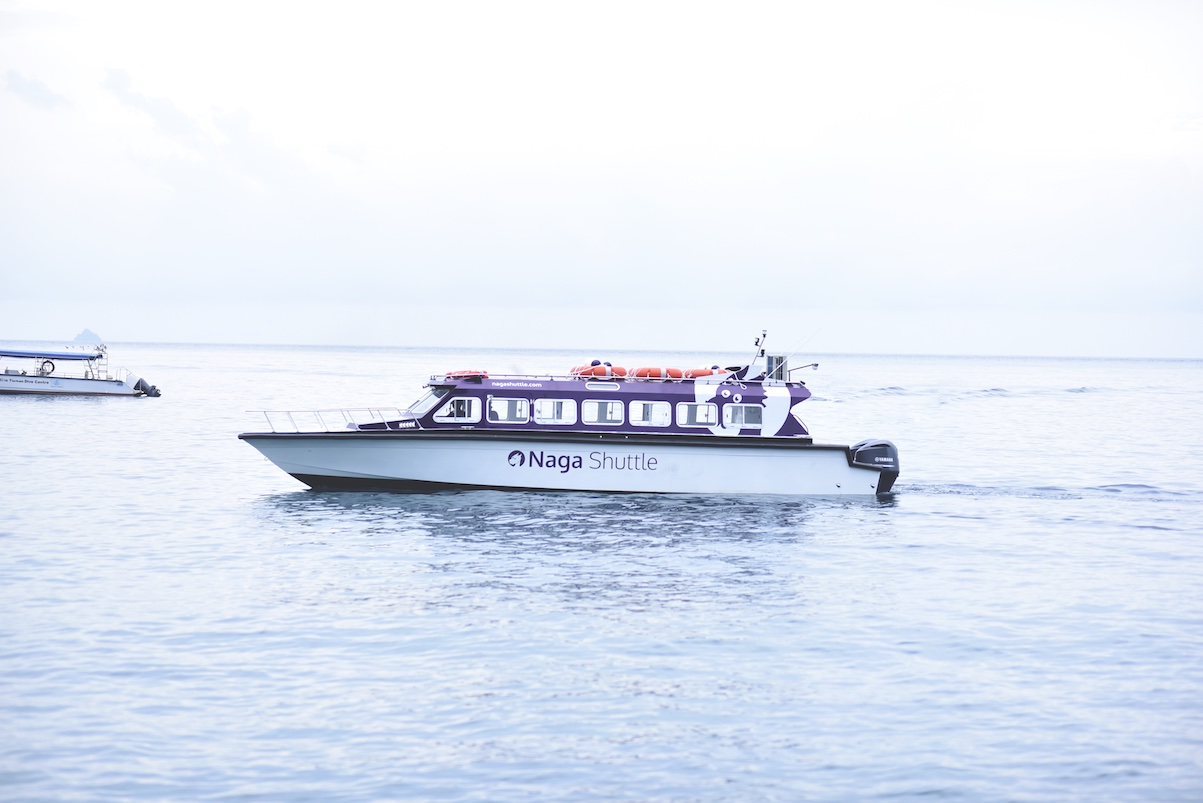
<point x="585" y="519"/>
<point x="493" y="552"/>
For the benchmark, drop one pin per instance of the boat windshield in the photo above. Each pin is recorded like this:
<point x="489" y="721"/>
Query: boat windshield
<point x="423" y="405"/>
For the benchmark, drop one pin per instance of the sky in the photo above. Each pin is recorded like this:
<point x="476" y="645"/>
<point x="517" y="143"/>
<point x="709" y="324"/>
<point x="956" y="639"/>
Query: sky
<point x="993" y="178"/>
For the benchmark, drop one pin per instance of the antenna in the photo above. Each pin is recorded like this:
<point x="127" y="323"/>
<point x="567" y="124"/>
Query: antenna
<point x="803" y="344"/>
<point x="764" y="334"/>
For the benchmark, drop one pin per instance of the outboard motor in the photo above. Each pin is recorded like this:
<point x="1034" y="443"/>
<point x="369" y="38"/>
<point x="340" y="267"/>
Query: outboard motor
<point x="145" y="388"/>
<point x="881" y="455"/>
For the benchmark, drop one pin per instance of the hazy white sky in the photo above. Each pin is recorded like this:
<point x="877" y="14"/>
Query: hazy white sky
<point x="902" y="177"/>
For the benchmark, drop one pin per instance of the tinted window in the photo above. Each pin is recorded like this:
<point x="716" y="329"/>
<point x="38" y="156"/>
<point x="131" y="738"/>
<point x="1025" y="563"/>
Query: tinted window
<point x="651" y="413"/>
<point x="555" y="411"/>
<point x="743" y="416"/>
<point x="601" y="412"/>
<point x="508" y="411"/>
<point x="462" y="410"/>
<point x="697" y="415"/>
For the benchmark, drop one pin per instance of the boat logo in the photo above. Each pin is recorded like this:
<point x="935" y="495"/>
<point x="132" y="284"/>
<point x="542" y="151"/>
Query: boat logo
<point x="562" y="462"/>
<point x="597" y="460"/>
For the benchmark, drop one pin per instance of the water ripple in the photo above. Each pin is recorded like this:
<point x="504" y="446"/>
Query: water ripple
<point x="1021" y="621"/>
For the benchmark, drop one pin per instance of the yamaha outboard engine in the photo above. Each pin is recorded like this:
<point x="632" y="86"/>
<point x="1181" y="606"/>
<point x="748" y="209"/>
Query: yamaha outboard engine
<point x="881" y="455"/>
<point x="144" y="387"/>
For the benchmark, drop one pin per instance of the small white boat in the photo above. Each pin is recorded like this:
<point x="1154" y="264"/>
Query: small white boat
<point x="78" y="372"/>
<point x="597" y="427"/>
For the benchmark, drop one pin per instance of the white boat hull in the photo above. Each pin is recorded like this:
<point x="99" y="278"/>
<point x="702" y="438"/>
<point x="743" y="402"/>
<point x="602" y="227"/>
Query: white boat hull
<point x="66" y="386"/>
<point x="428" y="460"/>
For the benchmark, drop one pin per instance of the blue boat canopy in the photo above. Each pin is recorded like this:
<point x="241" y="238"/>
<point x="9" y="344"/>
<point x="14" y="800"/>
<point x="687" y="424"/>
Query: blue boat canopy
<point x="53" y="355"/>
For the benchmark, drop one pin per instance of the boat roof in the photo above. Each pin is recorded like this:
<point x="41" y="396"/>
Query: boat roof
<point x="52" y="355"/>
<point x="475" y="382"/>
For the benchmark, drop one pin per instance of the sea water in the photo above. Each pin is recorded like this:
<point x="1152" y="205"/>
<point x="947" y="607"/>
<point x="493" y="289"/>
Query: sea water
<point x="1022" y="620"/>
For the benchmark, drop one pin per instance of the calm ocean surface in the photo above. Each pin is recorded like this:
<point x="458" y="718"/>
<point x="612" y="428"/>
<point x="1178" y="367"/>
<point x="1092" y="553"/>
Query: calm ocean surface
<point x="1023" y="620"/>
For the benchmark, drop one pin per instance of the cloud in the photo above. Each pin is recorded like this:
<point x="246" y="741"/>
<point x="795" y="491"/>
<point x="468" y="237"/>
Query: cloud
<point x="909" y="171"/>
<point x="34" y="92"/>
<point x="166" y="114"/>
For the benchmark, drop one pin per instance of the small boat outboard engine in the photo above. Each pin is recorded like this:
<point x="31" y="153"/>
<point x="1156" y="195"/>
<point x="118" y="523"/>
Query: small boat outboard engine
<point x="144" y="387"/>
<point x="879" y="454"/>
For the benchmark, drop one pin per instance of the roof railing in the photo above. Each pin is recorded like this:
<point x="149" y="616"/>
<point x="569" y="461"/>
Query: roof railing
<point x="333" y="420"/>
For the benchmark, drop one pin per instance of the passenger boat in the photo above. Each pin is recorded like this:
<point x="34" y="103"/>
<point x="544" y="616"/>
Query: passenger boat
<point x="79" y="372"/>
<point x="596" y="427"/>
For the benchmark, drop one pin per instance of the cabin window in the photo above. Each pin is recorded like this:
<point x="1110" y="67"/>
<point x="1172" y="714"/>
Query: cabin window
<point x="555" y="411"/>
<point x="697" y="415"/>
<point x="601" y="412"/>
<point x="508" y="411"/>
<point x="425" y="404"/>
<point x="651" y="413"/>
<point x="743" y="416"/>
<point x="460" y="410"/>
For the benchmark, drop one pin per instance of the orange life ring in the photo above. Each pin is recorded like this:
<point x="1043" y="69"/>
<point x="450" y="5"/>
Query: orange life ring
<point x="600" y="370"/>
<point x="650" y="373"/>
<point x="694" y="373"/>
<point x="465" y="374"/>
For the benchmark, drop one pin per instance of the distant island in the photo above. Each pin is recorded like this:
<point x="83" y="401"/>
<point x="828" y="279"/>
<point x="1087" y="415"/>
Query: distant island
<point x="88" y="336"/>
